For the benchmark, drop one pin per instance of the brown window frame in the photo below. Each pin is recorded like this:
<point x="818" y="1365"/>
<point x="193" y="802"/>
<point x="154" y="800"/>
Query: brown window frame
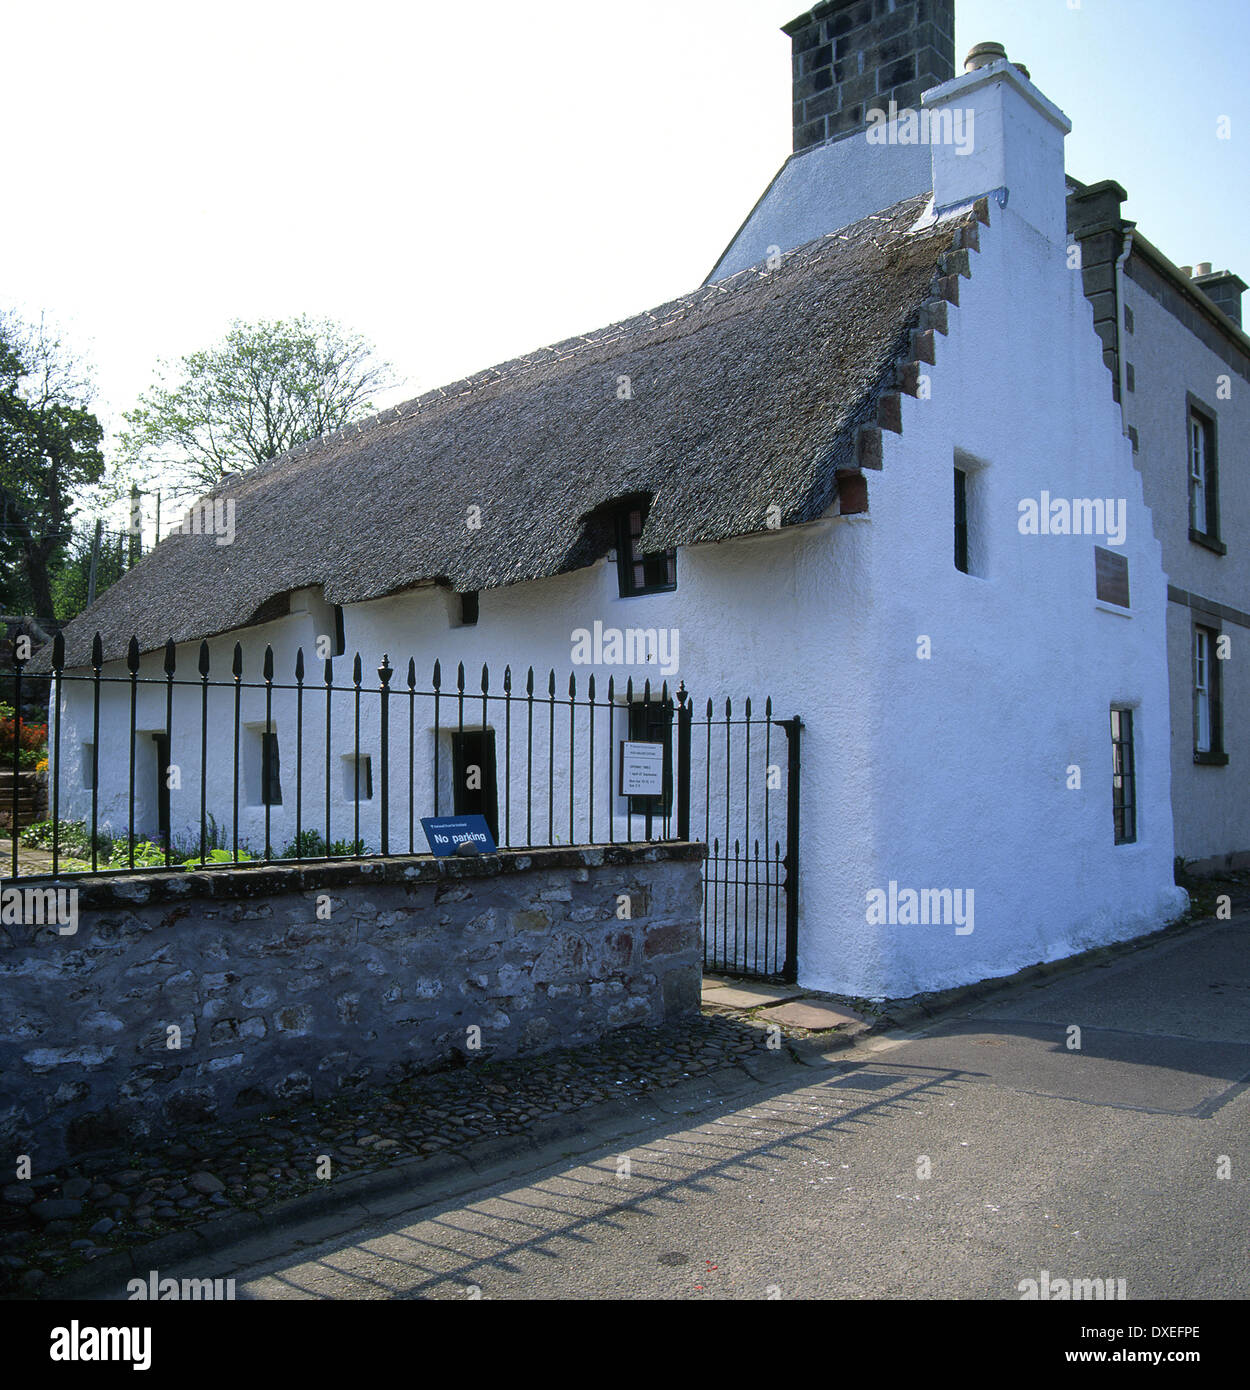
<point x="637" y="573"/>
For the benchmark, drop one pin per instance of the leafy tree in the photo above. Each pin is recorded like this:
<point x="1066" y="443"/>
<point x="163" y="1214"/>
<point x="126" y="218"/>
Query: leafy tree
<point x="72" y="582"/>
<point x="266" y="387"/>
<point x="49" y="450"/>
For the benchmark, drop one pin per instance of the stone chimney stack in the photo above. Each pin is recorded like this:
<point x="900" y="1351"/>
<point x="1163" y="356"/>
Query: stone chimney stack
<point x="853" y="56"/>
<point x="1223" y="288"/>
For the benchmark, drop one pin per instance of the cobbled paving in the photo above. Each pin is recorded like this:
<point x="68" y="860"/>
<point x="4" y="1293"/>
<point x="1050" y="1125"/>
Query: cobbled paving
<point x="54" y="1222"/>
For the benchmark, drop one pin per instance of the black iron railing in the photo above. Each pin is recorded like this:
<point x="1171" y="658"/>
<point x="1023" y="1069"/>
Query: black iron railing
<point x="548" y="757"/>
<point x="538" y="759"/>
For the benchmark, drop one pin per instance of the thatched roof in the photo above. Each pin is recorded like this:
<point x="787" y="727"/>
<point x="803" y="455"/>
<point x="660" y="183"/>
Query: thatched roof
<point x="744" y="395"/>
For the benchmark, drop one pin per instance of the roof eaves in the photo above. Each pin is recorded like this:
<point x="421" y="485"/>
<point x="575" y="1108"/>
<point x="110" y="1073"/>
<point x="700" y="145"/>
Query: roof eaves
<point x="1207" y="306"/>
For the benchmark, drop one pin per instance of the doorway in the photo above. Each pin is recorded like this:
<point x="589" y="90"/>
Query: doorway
<point x="473" y="776"/>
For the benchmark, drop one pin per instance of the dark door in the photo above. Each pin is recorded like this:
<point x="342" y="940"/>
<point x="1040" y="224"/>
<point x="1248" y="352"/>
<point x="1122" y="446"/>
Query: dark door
<point x="473" y="768"/>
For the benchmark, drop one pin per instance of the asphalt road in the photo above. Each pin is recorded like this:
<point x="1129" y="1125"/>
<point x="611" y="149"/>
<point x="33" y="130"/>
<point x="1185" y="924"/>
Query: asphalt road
<point x="1098" y="1162"/>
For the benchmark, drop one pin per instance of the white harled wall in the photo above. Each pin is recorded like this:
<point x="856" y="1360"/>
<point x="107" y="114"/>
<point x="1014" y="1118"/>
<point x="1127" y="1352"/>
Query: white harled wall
<point x="824" y="188"/>
<point x="974" y="748"/>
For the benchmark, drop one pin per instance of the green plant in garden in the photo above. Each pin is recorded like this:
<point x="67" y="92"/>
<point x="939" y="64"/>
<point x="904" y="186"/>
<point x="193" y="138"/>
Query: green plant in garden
<point x="217" y="856"/>
<point x="75" y="838"/>
<point x="310" y="845"/>
<point x="113" y="853"/>
<point x="147" y="854"/>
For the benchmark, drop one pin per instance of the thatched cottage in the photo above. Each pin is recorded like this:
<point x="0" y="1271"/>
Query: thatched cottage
<point x="813" y="475"/>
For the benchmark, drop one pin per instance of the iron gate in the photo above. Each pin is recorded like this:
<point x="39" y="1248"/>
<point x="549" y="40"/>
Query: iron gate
<point x="739" y="792"/>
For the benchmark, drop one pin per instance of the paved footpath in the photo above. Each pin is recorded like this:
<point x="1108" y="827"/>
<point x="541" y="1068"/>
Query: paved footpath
<point x="1101" y="1162"/>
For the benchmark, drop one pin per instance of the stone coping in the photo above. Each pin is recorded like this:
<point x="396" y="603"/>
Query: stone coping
<point x="264" y="880"/>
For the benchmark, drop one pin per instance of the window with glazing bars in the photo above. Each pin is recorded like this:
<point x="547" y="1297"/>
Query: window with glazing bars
<point x="1203" y="494"/>
<point x="1123" y="777"/>
<point x="641" y="574"/>
<point x="1208" y="717"/>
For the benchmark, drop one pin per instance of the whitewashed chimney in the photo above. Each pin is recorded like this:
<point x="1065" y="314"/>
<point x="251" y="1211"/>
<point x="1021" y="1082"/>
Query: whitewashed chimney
<point x="992" y="129"/>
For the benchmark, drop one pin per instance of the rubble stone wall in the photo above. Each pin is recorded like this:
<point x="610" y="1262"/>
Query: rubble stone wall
<point x="186" y="997"/>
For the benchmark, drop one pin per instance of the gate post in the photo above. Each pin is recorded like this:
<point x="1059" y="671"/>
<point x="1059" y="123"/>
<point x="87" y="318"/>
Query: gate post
<point x="790" y="967"/>
<point x="685" y="716"/>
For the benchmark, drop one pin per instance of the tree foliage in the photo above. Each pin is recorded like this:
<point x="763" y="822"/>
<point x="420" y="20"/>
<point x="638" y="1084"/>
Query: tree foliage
<point x="71" y="585"/>
<point x="50" y="448"/>
<point x="265" y="388"/>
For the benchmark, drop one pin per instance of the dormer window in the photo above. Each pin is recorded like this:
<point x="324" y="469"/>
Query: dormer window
<point x="641" y="574"/>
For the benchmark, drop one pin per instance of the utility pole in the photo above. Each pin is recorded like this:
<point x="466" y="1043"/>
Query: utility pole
<point x="136" y="526"/>
<point x="95" y="561"/>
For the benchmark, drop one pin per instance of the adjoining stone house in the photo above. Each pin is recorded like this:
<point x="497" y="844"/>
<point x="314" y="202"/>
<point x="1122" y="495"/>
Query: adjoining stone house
<point x="1179" y="365"/>
<point x="816" y="471"/>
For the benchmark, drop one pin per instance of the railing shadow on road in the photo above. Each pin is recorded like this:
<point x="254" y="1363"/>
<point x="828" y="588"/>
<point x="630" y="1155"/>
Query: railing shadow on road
<point x="462" y="1241"/>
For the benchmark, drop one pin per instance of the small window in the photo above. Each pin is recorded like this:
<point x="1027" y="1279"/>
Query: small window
<point x="653" y="723"/>
<point x="961" y="521"/>
<point x="88" y="766"/>
<point x="1123" y="777"/>
<point x="468" y="608"/>
<point x="340" y="633"/>
<point x="971" y="476"/>
<point x="1204" y="522"/>
<point x="259" y="765"/>
<point x="1130" y="376"/>
<point x="1208" y="717"/>
<point x="1111" y="576"/>
<point x="641" y="574"/>
<point x="1128" y="319"/>
<point x="357" y="778"/>
<point x="270" y="771"/>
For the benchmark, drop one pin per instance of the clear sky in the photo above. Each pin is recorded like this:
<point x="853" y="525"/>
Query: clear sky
<point x="465" y="182"/>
